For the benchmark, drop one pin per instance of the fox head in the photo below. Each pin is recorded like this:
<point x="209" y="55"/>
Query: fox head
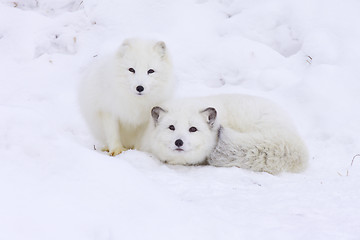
<point x="144" y="66"/>
<point x="184" y="136"/>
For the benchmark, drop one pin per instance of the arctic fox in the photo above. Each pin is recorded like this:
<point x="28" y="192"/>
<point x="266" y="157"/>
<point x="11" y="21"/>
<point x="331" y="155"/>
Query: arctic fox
<point x="119" y="91"/>
<point x="225" y="130"/>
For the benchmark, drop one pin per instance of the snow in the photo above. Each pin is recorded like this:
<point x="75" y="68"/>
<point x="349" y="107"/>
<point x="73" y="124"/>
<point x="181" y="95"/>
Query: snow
<point x="301" y="54"/>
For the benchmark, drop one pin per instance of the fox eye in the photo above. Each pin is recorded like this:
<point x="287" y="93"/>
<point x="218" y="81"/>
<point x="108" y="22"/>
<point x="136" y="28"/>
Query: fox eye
<point x="192" y="129"/>
<point x="172" y="128"/>
<point x="132" y="70"/>
<point x="150" y="71"/>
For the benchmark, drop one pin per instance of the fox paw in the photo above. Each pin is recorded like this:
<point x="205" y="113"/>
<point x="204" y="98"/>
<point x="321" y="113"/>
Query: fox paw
<point x="114" y="151"/>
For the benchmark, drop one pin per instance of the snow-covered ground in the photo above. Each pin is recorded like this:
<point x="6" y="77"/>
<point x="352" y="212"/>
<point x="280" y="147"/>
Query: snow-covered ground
<point x="304" y="55"/>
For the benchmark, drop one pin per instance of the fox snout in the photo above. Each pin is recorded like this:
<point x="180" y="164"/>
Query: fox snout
<point x="140" y="89"/>
<point x="179" y="143"/>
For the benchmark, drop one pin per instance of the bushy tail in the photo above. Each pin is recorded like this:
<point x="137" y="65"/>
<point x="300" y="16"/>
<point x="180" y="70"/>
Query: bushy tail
<point x="274" y="151"/>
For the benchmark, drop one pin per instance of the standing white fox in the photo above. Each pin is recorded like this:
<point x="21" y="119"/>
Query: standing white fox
<point x="225" y="130"/>
<point x="119" y="91"/>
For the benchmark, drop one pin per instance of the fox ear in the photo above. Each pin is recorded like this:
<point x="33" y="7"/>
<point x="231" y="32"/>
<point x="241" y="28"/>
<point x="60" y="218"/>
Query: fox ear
<point x="156" y="112"/>
<point x="210" y="115"/>
<point x="160" y="48"/>
<point x="124" y="46"/>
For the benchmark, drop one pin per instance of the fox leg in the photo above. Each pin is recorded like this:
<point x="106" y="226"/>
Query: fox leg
<point x="112" y="134"/>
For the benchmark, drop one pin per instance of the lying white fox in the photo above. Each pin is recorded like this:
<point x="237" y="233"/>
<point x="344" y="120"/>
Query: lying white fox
<point x="225" y="130"/>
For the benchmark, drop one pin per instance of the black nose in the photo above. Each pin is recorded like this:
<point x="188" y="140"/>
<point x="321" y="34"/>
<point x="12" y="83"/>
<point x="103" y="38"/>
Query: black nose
<point x="179" y="143"/>
<point x="139" y="88"/>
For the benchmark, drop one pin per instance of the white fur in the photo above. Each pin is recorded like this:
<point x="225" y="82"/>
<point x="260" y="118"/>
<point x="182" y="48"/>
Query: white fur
<point x="114" y="109"/>
<point x="249" y="132"/>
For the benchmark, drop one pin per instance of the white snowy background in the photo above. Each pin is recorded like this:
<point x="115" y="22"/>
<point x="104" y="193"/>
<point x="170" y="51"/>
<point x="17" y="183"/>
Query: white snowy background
<point x="304" y="55"/>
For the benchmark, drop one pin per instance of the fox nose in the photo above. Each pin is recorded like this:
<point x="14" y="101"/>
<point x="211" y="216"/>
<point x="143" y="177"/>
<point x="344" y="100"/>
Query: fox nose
<point x="139" y="88"/>
<point x="179" y="143"/>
